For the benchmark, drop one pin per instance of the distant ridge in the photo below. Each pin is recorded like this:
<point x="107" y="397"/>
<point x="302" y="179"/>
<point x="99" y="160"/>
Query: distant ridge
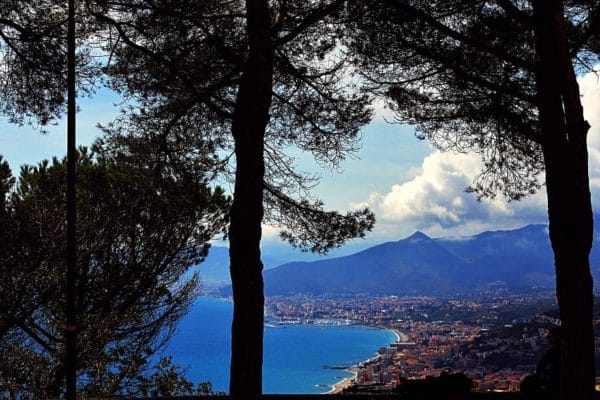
<point x="421" y="265"/>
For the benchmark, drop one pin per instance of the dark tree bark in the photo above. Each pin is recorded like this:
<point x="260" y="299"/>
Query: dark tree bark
<point x="311" y="105"/>
<point x="485" y="68"/>
<point x="70" y="363"/>
<point x="249" y="122"/>
<point x="564" y="132"/>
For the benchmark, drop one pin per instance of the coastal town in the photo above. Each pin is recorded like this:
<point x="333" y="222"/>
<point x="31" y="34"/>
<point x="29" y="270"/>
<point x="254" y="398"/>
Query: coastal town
<point x="495" y="338"/>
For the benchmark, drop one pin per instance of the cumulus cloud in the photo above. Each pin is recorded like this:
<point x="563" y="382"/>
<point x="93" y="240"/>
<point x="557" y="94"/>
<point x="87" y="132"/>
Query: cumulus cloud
<point x="431" y="197"/>
<point x="437" y="193"/>
<point x="434" y="200"/>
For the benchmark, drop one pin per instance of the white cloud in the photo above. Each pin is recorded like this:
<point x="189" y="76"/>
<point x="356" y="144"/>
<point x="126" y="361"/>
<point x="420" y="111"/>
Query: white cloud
<point x="429" y="194"/>
<point x="270" y="233"/>
<point x="590" y="98"/>
<point x="435" y="201"/>
<point x="434" y="198"/>
<point x="437" y="193"/>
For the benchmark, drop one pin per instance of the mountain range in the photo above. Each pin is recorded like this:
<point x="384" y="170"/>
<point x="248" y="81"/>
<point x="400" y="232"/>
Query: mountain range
<point x="421" y="265"/>
<point x="214" y="271"/>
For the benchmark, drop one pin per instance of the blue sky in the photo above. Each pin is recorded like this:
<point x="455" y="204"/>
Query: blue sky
<point x="408" y="184"/>
<point x="24" y="145"/>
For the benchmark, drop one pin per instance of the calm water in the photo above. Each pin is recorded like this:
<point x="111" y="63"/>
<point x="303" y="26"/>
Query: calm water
<point x="294" y="357"/>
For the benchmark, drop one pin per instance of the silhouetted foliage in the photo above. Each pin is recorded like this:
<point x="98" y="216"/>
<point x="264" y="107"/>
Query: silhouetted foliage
<point x="183" y="70"/>
<point x="252" y="79"/>
<point x="141" y="227"/>
<point x="33" y="48"/>
<point x="445" y="386"/>
<point x="498" y="78"/>
<point x="464" y="74"/>
<point x="168" y="380"/>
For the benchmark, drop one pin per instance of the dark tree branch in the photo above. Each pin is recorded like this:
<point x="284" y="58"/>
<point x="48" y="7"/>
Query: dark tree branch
<point x="470" y="41"/>
<point x="512" y="10"/>
<point x="313" y="17"/>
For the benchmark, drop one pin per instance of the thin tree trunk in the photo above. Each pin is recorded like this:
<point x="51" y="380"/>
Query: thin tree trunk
<point x="570" y="215"/>
<point x="250" y="119"/>
<point x="70" y="362"/>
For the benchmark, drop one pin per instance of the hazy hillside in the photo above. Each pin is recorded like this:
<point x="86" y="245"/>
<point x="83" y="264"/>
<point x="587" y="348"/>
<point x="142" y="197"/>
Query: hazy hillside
<point x="214" y="271"/>
<point x="520" y="257"/>
<point x="419" y="264"/>
<point x="406" y="266"/>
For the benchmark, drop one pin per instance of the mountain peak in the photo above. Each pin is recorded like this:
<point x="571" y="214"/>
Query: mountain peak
<point x="420" y="265"/>
<point x="417" y="237"/>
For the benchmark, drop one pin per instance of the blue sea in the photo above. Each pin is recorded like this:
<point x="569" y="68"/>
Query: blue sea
<point x="295" y="357"/>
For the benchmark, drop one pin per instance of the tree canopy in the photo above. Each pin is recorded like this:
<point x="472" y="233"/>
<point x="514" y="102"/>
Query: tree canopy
<point x="498" y="77"/>
<point x="33" y="50"/>
<point x="182" y="71"/>
<point x="251" y="80"/>
<point x="464" y="73"/>
<point x="141" y="227"/>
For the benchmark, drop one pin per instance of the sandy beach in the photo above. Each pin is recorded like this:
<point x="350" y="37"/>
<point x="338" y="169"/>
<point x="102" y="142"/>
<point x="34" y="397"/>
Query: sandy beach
<point x="344" y="383"/>
<point x="347" y="382"/>
<point x="401" y="336"/>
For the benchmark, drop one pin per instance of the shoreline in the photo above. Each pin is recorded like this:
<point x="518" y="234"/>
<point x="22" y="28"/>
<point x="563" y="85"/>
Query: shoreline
<point x="338" y="387"/>
<point x="401" y="337"/>
<point x="344" y="383"/>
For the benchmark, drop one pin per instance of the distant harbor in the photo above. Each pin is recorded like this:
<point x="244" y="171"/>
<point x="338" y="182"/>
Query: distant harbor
<point x="202" y="346"/>
<point x="401" y="337"/>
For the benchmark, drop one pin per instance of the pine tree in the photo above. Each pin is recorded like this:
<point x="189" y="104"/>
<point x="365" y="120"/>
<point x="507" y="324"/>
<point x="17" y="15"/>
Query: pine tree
<point x="497" y="77"/>
<point x="247" y="80"/>
<point x="141" y="228"/>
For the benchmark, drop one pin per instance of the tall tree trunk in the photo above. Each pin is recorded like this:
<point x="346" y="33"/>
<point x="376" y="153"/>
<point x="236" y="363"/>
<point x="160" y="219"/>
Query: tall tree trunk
<point x="70" y="362"/>
<point x="564" y="132"/>
<point x="250" y="119"/>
